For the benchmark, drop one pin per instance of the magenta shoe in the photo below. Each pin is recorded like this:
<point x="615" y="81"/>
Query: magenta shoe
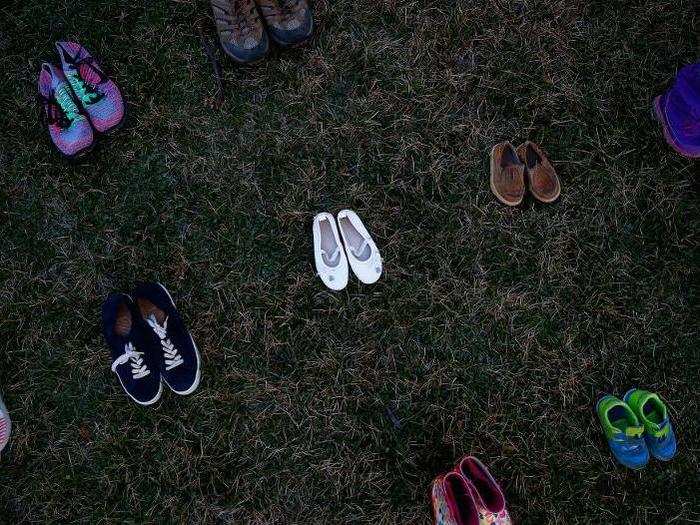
<point x="490" y="501"/>
<point x="99" y="96"/>
<point x="69" y="129"/>
<point x="453" y="499"/>
<point x="678" y="111"/>
<point x="5" y="426"/>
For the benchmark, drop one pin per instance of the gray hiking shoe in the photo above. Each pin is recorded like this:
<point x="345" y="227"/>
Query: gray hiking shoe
<point x="289" y="22"/>
<point x="240" y="29"/>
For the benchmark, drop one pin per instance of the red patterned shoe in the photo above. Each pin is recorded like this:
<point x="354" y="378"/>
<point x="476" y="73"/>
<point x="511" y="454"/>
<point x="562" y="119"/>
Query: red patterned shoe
<point x="453" y="499"/>
<point x="490" y="501"/>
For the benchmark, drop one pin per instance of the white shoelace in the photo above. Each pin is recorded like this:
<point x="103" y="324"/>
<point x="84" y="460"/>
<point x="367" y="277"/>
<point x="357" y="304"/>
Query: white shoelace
<point x="138" y="367"/>
<point x="170" y="353"/>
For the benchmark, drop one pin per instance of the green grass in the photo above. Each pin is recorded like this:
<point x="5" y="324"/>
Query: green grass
<point x="492" y="332"/>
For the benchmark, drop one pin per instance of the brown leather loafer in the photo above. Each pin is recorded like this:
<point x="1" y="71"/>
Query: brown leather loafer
<point x="507" y="174"/>
<point x="542" y="178"/>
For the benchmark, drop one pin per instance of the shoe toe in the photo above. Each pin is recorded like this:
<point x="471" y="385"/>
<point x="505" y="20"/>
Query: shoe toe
<point x="294" y="34"/>
<point x="144" y="392"/>
<point x="184" y="382"/>
<point x="665" y="452"/>
<point x="634" y="463"/>
<point x="75" y="141"/>
<point x="631" y="459"/>
<point x="335" y="281"/>
<point x="246" y="54"/>
<point x="370" y="274"/>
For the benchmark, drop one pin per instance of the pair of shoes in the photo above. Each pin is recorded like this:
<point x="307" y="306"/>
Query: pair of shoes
<point x="469" y="495"/>
<point x="678" y="111"/>
<point x="150" y="344"/>
<point x="5" y="426"/>
<point x="635" y="426"/>
<point x="511" y="169"/>
<point x="78" y="99"/>
<point x="360" y="250"/>
<point x="241" y="31"/>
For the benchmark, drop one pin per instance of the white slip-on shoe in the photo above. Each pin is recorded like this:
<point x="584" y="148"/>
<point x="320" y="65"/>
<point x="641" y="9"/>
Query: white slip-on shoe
<point x="331" y="263"/>
<point x="363" y="255"/>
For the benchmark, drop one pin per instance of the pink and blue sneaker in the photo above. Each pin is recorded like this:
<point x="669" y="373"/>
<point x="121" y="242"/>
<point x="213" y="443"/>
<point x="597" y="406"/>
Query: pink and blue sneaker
<point x="69" y="129"/>
<point x="5" y="426"/>
<point x="98" y="94"/>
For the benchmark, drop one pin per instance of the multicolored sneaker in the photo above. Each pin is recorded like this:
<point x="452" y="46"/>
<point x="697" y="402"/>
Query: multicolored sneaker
<point x="99" y="96"/>
<point x="5" y="426"/>
<point x="652" y="412"/>
<point x="623" y="432"/>
<point x="453" y="500"/>
<point x="289" y="22"/>
<point x="69" y="129"/>
<point x="490" y="500"/>
<point x="240" y="29"/>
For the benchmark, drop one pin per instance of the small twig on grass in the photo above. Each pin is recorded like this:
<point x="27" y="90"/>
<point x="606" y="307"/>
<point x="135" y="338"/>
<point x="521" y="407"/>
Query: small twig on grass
<point x="391" y="414"/>
<point x="210" y="52"/>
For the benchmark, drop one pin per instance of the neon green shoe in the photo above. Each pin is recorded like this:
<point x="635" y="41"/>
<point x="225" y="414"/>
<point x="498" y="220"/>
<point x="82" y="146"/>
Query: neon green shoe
<point x="623" y="432"/>
<point x="652" y="412"/>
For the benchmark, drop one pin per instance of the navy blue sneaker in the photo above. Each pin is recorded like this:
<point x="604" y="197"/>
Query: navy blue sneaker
<point x="178" y="356"/>
<point x="133" y="359"/>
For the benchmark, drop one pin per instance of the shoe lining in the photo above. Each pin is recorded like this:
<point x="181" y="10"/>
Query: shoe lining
<point x="489" y="493"/>
<point x="509" y="157"/>
<point x="328" y="244"/>
<point x="532" y="157"/>
<point x="620" y="418"/>
<point x="122" y="325"/>
<point x="652" y="412"/>
<point x="354" y="239"/>
<point x="147" y="309"/>
<point x="461" y="497"/>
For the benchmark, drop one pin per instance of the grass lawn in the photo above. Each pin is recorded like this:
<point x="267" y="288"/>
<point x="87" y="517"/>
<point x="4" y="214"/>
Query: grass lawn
<point x="492" y="332"/>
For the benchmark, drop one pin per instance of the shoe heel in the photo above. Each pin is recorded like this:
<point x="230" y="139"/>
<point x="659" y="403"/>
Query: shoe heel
<point x="627" y="395"/>
<point x="597" y="405"/>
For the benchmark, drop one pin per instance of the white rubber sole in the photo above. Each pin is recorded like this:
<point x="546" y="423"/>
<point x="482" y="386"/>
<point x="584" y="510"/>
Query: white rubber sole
<point x="143" y="403"/>
<point x="198" y="376"/>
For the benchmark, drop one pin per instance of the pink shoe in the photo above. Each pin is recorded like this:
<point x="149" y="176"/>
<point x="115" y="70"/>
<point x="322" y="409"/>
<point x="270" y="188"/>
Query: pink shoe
<point x="69" y="129"/>
<point x="5" y="426"/>
<point x="453" y="499"/>
<point x="98" y="94"/>
<point x="490" y="501"/>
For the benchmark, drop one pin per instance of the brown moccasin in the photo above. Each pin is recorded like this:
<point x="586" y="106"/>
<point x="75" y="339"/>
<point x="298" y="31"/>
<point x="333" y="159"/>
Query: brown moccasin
<point x="507" y="174"/>
<point x="542" y="178"/>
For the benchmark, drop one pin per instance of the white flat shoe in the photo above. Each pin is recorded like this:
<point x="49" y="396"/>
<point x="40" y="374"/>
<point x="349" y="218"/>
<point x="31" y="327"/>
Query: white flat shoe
<point x="363" y="254"/>
<point x="331" y="263"/>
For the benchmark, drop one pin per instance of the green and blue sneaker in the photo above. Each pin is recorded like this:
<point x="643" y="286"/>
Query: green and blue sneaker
<point x="652" y="412"/>
<point x="623" y="432"/>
